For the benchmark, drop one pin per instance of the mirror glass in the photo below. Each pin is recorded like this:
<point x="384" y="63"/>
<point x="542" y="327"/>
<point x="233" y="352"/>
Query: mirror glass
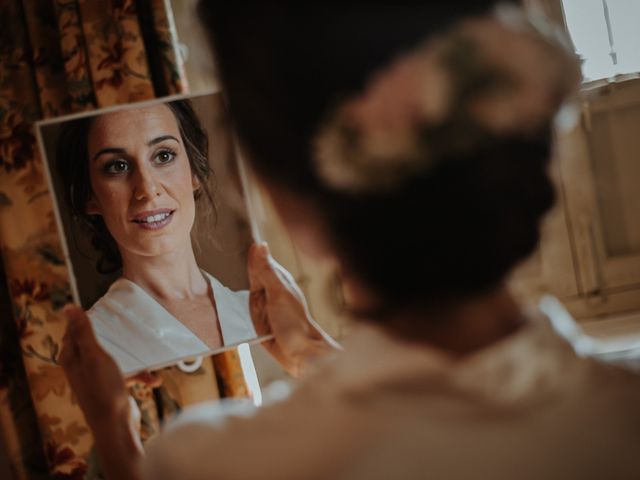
<point x="150" y="200"/>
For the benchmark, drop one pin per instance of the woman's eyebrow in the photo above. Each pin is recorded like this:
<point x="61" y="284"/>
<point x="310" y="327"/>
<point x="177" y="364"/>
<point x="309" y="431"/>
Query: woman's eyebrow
<point x="155" y="141"/>
<point x="162" y="138"/>
<point x="108" y="150"/>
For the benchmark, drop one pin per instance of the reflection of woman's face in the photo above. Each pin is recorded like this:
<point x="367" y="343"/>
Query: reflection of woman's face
<point x="141" y="180"/>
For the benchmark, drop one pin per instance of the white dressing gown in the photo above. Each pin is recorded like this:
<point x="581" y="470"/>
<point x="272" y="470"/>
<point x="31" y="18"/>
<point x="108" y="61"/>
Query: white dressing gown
<point x="526" y="408"/>
<point x="138" y="332"/>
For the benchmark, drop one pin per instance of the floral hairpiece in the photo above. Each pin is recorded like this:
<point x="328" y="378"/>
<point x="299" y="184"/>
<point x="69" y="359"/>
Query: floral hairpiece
<point x="487" y="77"/>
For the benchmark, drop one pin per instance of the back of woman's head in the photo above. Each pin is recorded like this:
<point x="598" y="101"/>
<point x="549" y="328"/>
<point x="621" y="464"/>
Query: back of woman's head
<point x="422" y="138"/>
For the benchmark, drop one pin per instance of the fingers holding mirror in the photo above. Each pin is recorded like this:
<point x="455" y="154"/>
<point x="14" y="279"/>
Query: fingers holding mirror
<point x="278" y="307"/>
<point x="93" y="375"/>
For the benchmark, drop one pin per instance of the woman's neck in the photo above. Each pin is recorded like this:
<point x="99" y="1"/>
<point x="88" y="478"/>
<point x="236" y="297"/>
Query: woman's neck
<point x="171" y="276"/>
<point x="467" y="325"/>
<point x="460" y="327"/>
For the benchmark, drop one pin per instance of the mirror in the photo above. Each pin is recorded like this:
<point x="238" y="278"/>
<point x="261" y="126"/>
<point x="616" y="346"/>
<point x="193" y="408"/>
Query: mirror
<point x="156" y="245"/>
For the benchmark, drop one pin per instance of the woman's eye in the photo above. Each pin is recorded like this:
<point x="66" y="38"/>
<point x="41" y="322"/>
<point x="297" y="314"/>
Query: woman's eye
<point x="165" y="156"/>
<point x="116" y="166"/>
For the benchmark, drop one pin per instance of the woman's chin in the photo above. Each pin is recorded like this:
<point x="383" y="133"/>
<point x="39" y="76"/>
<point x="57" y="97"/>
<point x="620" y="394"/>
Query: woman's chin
<point x="150" y="245"/>
<point x="157" y="251"/>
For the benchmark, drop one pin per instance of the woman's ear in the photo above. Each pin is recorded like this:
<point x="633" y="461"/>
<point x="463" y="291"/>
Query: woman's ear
<point x="93" y="207"/>
<point x="195" y="183"/>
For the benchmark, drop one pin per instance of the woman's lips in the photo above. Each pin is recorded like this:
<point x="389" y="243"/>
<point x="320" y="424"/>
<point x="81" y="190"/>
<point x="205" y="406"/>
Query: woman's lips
<point x="154" y="220"/>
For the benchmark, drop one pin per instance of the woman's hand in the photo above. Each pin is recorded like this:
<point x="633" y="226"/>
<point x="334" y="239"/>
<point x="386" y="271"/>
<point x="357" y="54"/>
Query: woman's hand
<point x="278" y="307"/>
<point x="102" y="395"/>
<point x="94" y="376"/>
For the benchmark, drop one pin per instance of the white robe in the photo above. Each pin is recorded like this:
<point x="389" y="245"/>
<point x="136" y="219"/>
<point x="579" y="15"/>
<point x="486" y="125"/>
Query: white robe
<point x="526" y="407"/>
<point x="138" y="332"/>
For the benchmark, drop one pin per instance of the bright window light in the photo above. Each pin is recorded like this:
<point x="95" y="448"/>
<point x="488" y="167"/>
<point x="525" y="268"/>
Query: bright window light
<point x="606" y="36"/>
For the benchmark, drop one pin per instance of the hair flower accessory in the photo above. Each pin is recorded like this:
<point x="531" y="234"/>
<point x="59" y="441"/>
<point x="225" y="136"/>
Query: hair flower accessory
<point x="488" y="77"/>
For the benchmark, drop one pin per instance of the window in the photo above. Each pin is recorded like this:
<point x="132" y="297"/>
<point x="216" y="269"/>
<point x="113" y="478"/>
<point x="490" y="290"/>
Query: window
<point x="606" y="35"/>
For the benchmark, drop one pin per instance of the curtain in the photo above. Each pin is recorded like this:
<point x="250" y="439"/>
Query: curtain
<point x="58" y="57"/>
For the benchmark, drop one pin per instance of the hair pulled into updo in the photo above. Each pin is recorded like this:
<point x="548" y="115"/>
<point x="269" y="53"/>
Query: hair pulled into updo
<point x="452" y="139"/>
<point x="72" y="165"/>
<point x="423" y="141"/>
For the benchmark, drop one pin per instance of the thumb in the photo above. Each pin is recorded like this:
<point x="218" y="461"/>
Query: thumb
<point x="258" y="262"/>
<point x="265" y="273"/>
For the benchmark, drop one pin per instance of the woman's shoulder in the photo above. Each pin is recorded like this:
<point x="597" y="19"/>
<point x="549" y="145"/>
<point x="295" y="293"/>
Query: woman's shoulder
<point x="113" y="318"/>
<point x="117" y="298"/>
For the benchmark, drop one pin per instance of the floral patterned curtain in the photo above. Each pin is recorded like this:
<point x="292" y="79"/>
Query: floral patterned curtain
<point x="58" y="57"/>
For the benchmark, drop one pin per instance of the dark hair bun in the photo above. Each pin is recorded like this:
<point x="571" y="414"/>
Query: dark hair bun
<point x="453" y="229"/>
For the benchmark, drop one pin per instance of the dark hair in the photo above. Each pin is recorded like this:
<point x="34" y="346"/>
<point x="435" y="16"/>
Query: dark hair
<point x="72" y="164"/>
<point x="455" y="230"/>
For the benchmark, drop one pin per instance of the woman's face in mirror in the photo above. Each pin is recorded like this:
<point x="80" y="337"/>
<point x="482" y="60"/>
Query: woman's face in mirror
<point x="141" y="180"/>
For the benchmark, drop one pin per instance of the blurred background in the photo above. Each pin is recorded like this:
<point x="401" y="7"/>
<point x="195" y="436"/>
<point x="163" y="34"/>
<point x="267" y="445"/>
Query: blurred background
<point x="58" y="57"/>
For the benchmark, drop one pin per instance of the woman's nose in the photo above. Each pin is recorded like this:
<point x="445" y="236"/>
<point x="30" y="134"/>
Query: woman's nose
<point x="145" y="185"/>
